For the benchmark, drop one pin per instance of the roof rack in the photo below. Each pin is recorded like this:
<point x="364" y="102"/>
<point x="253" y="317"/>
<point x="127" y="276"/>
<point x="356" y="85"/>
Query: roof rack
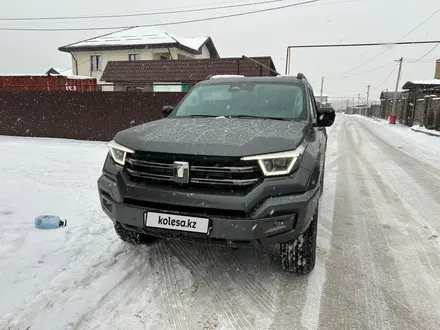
<point x="218" y="76"/>
<point x="301" y="76"/>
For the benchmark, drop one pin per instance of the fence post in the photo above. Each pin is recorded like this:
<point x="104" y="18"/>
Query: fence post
<point x="437" y="118"/>
<point x="426" y="111"/>
<point x="405" y="111"/>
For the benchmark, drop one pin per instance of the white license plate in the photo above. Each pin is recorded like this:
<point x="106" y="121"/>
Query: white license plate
<point x="176" y="222"/>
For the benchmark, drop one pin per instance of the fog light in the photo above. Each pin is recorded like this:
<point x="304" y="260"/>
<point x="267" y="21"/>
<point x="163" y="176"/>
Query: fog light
<point x="107" y="205"/>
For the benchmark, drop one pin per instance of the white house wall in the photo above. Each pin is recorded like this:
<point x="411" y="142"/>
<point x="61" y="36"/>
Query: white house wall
<point x="84" y="65"/>
<point x="205" y="53"/>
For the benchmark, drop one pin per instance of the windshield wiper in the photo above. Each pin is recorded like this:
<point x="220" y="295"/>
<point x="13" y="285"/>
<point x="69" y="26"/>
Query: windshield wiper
<point x="259" y="117"/>
<point x="193" y="116"/>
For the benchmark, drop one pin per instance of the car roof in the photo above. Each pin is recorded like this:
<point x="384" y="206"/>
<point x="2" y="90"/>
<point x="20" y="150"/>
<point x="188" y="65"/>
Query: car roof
<point x="242" y="79"/>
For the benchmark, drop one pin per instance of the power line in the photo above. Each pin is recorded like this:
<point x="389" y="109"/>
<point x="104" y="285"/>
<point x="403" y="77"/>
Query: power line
<point x="86" y="60"/>
<point x="366" y="44"/>
<point x="118" y="13"/>
<point x="430" y="61"/>
<point x="186" y="9"/>
<point x="162" y="24"/>
<point x="139" y="14"/>
<point x="389" y="76"/>
<point x="353" y="75"/>
<point x="421" y="58"/>
<point x="359" y="73"/>
<point x="386" y="49"/>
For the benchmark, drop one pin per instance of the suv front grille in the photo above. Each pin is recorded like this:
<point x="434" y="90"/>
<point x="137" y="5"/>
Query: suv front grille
<point x="203" y="171"/>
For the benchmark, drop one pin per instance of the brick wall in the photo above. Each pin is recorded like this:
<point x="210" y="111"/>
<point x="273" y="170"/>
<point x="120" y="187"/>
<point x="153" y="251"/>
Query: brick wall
<point x="435" y="113"/>
<point x="83" y="115"/>
<point x="419" y="113"/>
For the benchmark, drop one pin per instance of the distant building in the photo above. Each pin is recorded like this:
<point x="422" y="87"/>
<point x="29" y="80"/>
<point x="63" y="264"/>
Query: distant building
<point x="437" y="69"/>
<point x="321" y="99"/>
<point x="90" y="57"/>
<point x="57" y="71"/>
<point x="386" y="102"/>
<point x="179" y="75"/>
<point x="423" y="86"/>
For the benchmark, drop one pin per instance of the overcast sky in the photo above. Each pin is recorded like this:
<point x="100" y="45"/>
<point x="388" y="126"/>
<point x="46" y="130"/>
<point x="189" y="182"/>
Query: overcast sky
<point x="328" y="21"/>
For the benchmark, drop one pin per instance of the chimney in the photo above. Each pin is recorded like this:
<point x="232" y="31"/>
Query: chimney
<point x="437" y="69"/>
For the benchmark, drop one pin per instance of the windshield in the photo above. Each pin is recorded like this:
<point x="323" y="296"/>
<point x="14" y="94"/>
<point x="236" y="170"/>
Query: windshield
<point x="263" y="100"/>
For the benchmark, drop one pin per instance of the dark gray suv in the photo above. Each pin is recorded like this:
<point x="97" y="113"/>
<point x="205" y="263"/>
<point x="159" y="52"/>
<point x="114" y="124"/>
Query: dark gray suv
<point x="239" y="161"/>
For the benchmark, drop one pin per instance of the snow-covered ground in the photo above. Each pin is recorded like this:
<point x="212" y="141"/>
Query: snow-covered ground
<point x="378" y="260"/>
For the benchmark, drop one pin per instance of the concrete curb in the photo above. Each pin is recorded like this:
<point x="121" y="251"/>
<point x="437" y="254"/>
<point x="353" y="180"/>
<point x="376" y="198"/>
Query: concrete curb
<point x="425" y="132"/>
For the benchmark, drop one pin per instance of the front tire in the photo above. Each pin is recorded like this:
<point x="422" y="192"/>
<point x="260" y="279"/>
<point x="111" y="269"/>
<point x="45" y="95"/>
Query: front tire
<point x="133" y="237"/>
<point x="299" y="255"/>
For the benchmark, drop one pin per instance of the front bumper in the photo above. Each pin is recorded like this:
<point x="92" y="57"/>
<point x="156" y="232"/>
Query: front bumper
<point x="275" y="219"/>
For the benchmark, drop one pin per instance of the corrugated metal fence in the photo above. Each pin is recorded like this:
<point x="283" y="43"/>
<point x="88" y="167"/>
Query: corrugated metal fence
<point x="83" y="115"/>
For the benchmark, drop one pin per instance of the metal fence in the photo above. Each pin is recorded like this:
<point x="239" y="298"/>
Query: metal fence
<point x="82" y="115"/>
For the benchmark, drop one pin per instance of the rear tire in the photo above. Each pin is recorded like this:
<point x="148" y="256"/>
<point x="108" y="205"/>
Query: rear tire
<point x="133" y="237"/>
<point x="299" y="255"/>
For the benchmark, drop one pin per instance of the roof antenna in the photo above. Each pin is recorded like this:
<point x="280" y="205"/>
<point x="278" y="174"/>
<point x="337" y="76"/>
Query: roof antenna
<point x="259" y="63"/>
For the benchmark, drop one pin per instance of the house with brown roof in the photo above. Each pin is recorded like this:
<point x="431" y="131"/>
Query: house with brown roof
<point x="180" y="75"/>
<point x="90" y="57"/>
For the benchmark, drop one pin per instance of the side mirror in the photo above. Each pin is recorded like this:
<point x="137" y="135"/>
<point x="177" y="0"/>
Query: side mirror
<point x="326" y="117"/>
<point x="166" y="110"/>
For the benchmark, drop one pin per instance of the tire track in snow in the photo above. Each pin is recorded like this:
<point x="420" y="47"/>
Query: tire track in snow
<point x="312" y="309"/>
<point x="215" y="272"/>
<point x="300" y="297"/>
<point x="248" y="283"/>
<point x="200" y="269"/>
<point x="349" y="286"/>
<point x="374" y="238"/>
<point x="117" y="294"/>
<point x="405" y="242"/>
<point x="173" y="302"/>
<point x="410" y="189"/>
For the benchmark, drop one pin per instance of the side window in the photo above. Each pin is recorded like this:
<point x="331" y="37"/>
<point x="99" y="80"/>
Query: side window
<point x="312" y="105"/>
<point x="133" y="57"/>
<point x="95" y="63"/>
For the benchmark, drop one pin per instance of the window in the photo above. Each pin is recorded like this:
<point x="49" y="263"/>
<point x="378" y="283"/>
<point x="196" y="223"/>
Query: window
<point x="265" y="100"/>
<point x="134" y="57"/>
<point x="163" y="57"/>
<point x="95" y="61"/>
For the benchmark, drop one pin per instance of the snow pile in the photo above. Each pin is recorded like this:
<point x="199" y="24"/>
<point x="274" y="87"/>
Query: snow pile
<point x="422" y="129"/>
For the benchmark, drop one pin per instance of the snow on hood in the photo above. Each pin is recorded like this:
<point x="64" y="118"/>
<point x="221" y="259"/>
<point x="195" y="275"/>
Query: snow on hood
<point x="214" y="137"/>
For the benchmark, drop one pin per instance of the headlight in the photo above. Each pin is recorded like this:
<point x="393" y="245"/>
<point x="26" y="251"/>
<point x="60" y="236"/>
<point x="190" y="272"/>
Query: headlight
<point x="280" y="163"/>
<point x="118" y="152"/>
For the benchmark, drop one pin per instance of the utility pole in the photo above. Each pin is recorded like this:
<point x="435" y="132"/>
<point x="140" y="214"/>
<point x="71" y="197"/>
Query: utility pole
<point x="368" y="94"/>
<point x="368" y="97"/>
<point x="393" y="110"/>
<point x="322" y="86"/>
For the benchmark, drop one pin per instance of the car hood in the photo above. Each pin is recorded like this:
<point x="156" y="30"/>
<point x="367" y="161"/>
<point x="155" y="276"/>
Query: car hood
<point x="232" y="137"/>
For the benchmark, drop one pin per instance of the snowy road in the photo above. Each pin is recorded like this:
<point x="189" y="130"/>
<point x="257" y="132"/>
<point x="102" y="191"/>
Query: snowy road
<point x="378" y="260"/>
